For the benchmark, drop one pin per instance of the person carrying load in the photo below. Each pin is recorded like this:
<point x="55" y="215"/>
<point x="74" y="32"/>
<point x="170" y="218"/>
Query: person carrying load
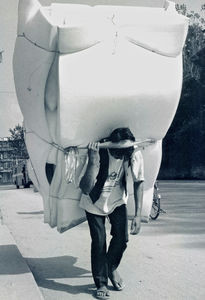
<point x="105" y="195"/>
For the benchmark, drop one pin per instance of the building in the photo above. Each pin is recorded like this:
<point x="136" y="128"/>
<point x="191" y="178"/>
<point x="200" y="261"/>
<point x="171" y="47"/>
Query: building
<point x="7" y="161"/>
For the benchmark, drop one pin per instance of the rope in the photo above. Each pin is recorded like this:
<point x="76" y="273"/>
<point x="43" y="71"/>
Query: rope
<point x="114" y="47"/>
<point x="34" y="171"/>
<point x="50" y="143"/>
<point x="149" y="48"/>
<point x="106" y="145"/>
<point x="71" y="156"/>
<point x="53" y="51"/>
<point x="34" y="43"/>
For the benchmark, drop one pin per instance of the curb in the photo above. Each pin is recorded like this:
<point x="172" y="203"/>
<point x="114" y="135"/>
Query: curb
<point x="16" y="280"/>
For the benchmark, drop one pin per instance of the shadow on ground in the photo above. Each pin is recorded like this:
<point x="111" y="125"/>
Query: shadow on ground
<point x="40" y="212"/>
<point x="45" y="270"/>
<point x="11" y="261"/>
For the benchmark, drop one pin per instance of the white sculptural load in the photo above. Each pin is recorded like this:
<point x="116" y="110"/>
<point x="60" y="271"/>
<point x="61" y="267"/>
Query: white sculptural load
<point x="81" y="71"/>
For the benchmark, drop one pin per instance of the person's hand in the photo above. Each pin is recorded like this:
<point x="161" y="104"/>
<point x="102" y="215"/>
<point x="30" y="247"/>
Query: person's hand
<point x="93" y="153"/>
<point x="135" y="225"/>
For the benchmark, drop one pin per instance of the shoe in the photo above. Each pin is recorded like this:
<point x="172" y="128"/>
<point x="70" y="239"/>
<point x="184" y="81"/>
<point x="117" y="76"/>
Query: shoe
<point x="102" y="293"/>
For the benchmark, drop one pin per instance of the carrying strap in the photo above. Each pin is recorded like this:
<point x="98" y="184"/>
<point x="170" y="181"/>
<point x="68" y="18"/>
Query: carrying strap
<point x="102" y="175"/>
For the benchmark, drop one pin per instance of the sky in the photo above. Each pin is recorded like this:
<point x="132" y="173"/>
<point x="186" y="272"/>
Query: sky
<point x="10" y="114"/>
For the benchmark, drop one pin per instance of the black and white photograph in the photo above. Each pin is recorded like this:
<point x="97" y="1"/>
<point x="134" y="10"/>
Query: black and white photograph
<point x="102" y="142"/>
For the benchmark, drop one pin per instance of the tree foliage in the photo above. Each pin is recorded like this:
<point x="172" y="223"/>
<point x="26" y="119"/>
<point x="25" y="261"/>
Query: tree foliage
<point x="184" y="144"/>
<point x="18" y="142"/>
<point x="195" y="40"/>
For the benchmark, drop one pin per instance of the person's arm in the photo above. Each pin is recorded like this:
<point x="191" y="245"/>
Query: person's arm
<point x="138" y="197"/>
<point x="88" y="180"/>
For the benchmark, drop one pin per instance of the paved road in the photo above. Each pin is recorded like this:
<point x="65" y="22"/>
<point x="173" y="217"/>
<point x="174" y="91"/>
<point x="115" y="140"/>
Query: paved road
<point x="166" y="261"/>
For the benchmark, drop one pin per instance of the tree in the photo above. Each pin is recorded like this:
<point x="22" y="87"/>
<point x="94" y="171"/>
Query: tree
<point x="183" y="146"/>
<point x="195" y="40"/>
<point x="18" y="142"/>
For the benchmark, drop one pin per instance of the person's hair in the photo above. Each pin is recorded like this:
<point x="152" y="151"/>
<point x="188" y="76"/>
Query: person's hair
<point x="117" y="135"/>
<point x="121" y="134"/>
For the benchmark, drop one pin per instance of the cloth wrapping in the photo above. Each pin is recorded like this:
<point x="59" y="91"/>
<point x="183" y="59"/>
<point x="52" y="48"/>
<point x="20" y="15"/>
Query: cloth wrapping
<point x="87" y="71"/>
<point x="63" y="196"/>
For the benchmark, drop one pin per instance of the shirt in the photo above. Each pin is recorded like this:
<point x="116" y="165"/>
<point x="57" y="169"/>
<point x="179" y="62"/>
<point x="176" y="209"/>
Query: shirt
<point x="113" y="193"/>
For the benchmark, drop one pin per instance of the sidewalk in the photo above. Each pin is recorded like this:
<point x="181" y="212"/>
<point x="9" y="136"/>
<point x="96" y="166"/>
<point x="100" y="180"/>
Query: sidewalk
<point x="16" y="279"/>
<point x="165" y="261"/>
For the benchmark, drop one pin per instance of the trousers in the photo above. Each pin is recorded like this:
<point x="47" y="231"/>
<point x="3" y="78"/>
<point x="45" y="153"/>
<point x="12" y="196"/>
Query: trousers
<point x="105" y="260"/>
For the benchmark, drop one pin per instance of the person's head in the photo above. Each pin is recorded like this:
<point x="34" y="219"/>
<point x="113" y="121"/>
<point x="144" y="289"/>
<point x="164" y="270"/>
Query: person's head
<point x="121" y="134"/>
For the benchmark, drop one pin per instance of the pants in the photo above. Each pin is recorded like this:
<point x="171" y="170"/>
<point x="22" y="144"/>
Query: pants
<point x="103" y="261"/>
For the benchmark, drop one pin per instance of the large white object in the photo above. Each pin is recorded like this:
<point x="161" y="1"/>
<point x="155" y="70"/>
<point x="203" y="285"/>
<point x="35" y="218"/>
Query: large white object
<point x="81" y="71"/>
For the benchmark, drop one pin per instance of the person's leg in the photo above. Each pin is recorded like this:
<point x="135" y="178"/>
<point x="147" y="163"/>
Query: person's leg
<point x="118" y="244"/>
<point x="98" y="253"/>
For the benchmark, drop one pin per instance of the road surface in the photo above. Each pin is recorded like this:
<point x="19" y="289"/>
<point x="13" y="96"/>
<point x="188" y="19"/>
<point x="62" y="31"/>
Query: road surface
<point x="165" y="261"/>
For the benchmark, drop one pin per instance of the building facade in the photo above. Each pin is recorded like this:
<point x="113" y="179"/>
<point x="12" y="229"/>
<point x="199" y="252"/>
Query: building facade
<point x="7" y="161"/>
